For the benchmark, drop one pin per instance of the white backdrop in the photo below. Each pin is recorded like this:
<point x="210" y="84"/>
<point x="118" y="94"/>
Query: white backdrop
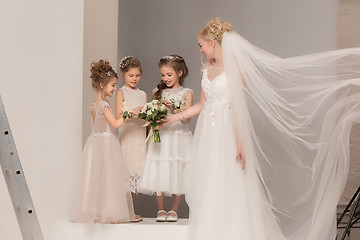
<point x="41" y="51"/>
<point x="41" y="61"/>
<point x="282" y="27"/>
<point x="100" y="42"/>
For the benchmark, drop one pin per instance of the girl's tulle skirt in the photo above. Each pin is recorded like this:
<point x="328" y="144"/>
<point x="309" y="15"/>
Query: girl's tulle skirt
<point x="166" y="162"/>
<point x="103" y="194"/>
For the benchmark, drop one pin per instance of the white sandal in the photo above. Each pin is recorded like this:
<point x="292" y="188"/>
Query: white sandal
<point x="172" y="218"/>
<point x="161" y="218"/>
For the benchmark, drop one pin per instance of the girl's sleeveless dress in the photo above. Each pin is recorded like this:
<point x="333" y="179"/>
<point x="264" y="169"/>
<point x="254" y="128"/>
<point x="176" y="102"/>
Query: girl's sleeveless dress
<point x="166" y="161"/>
<point x="103" y="194"/>
<point x="132" y="138"/>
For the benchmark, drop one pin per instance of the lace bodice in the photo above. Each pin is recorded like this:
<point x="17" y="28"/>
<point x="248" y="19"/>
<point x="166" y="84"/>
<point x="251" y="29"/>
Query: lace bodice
<point x="216" y="91"/>
<point x="99" y="124"/>
<point x="133" y="98"/>
<point x="174" y="93"/>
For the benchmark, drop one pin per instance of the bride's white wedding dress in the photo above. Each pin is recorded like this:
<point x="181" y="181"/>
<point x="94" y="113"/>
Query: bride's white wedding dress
<point x="225" y="201"/>
<point x="295" y="117"/>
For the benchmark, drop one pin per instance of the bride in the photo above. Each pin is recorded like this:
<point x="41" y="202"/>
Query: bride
<point x="271" y="144"/>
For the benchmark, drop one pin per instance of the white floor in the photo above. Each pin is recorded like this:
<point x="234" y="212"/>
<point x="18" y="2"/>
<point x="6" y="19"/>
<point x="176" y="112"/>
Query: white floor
<point x="147" y="229"/>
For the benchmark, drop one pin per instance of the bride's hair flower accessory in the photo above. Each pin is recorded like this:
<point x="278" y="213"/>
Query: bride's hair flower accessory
<point x="215" y="29"/>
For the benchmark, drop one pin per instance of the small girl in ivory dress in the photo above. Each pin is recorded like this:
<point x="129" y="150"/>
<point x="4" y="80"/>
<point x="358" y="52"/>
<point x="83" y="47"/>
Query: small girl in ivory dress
<point x="132" y="135"/>
<point x="165" y="161"/>
<point x="103" y="195"/>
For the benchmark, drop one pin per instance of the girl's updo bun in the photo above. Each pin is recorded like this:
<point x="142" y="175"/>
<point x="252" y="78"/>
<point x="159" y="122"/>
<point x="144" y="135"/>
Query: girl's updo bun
<point x="215" y="29"/>
<point x="101" y="72"/>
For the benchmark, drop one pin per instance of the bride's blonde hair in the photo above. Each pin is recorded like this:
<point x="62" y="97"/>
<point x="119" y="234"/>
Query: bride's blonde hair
<point x="215" y="29"/>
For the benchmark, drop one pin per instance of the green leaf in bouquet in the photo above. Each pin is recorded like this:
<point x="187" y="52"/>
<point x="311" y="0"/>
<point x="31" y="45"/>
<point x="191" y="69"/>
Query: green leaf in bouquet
<point x="153" y="115"/>
<point x="161" y="115"/>
<point x="154" y="124"/>
<point x="142" y="115"/>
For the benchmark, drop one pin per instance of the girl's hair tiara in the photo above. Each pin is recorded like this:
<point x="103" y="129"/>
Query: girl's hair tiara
<point x="123" y="62"/>
<point x="173" y="58"/>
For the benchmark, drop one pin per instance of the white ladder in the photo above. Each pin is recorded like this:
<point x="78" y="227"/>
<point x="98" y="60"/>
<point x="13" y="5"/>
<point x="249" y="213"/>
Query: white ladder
<point x="16" y="182"/>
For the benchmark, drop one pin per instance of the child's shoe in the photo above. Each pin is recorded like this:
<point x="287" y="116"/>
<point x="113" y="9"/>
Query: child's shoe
<point x="161" y="216"/>
<point x="172" y="216"/>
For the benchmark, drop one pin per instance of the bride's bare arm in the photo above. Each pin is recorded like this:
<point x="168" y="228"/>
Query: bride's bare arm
<point x="188" y="113"/>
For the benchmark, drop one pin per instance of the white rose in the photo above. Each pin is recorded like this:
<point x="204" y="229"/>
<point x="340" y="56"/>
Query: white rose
<point x="163" y="108"/>
<point x="149" y="112"/>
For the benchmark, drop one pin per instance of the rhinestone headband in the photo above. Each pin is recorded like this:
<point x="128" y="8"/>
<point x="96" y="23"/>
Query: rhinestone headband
<point x="123" y="62"/>
<point x="172" y="57"/>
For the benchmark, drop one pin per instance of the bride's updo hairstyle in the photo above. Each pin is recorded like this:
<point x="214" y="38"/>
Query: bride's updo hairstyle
<point x="215" y="29"/>
<point x="179" y="65"/>
<point x="101" y="72"/>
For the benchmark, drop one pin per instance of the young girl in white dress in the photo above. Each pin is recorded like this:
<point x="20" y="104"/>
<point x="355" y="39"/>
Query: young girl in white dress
<point x="132" y="135"/>
<point x="103" y="195"/>
<point x="166" y="161"/>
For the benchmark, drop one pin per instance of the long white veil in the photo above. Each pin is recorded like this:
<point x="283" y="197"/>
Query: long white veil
<point x="295" y="116"/>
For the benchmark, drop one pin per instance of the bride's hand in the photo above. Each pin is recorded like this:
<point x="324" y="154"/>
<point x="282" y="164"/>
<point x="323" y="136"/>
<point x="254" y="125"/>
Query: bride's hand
<point x="240" y="156"/>
<point x="169" y="120"/>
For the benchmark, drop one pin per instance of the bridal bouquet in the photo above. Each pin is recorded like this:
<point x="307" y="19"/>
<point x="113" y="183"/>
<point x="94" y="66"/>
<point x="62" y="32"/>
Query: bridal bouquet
<point x="152" y="113"/>
<point x="177" y="105"/>
<point x="127" y="113"/>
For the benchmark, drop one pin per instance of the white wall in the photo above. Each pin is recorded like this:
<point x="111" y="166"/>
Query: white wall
<point x="152" y="29"/>
<point x="41" y="48"/>
<point x="100" y="42"/>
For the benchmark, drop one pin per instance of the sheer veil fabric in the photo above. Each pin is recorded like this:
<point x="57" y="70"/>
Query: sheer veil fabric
<point x="295" y="117"/>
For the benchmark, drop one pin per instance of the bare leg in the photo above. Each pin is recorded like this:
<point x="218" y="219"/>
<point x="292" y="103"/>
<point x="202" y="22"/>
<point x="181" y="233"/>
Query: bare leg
<point x="172" y="214"/>
<point x="161" y="215"/>
<point x="137" y="217"/>
<point x="175" y="203"/>
<point x="160" y="199"/>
